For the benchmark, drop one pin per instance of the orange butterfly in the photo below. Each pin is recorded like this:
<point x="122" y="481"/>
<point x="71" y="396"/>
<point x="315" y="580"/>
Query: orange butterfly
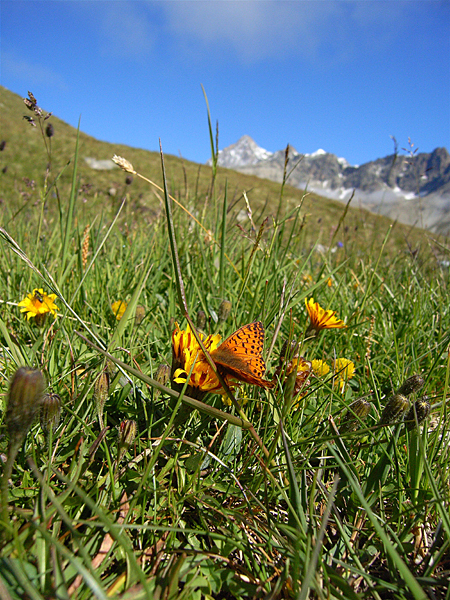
<point x="240" y="355"/>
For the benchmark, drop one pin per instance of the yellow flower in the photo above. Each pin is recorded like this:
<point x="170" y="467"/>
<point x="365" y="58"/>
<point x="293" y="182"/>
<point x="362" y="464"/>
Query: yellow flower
<point x="187" y="355"/>
<point x="119" y="307"/>
<point x="320" y="367"/>
<point x="38" y="303"/>
<point x="344" y="370"/>
<point x="320" y="318"/>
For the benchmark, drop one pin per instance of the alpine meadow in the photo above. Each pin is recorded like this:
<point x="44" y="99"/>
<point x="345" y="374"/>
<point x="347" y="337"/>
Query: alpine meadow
<point x="213" y="386"/>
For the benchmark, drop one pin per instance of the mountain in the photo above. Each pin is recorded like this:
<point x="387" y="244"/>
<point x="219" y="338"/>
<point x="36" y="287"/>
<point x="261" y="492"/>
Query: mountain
<point x="24" y="176"/>
<point x="414" y="189"/>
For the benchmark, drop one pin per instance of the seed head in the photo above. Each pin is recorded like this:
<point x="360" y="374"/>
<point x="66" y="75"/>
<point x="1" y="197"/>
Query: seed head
<point x="410" y="385"/>
<point x="30" y="120"/>
<point x="30" y="102"/>
<point x="124" y="164"/>
<point x="85" y="246"/>
<point x="357" y="412"/>
<point x="395" y="410"/>
<point x="49" y="130"/>
<point x="421" y="408"/>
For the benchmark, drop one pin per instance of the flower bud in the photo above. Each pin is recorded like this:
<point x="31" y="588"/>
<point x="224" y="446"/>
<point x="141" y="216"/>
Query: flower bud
<point x="410" y="385"/>
<point x="24" y="400"/>
<point x="357" y="412"/>
<point x="49" y="130"/>
<point x="127" y="435"/>
<point x="50" y="412"/>
<point x="421" y="408"/>
<point x="395" y="410"/>
<point x="224" y="310"/>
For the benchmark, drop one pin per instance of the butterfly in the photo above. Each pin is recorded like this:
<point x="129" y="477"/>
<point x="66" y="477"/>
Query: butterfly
<point x="240" y="355"/>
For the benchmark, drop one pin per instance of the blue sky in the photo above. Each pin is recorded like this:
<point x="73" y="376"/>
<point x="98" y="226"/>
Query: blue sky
<point x="339" y="75"/>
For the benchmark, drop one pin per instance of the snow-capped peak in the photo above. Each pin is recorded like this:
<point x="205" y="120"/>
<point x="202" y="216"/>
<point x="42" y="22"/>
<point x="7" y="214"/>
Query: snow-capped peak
<point x="243" y="153"/>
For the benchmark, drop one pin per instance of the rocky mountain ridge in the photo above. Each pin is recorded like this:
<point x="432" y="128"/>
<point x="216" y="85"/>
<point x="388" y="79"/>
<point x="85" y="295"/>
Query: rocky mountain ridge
<point x="414" y="188"/>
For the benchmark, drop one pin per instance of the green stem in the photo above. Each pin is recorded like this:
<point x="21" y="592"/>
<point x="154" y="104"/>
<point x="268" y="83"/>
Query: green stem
<point x="7" y="471"/>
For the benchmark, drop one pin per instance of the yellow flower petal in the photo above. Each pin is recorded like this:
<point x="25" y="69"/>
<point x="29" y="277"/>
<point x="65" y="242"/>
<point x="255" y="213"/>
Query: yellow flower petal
<point x="119" y="307"/>
<point x="187" y="356"/>
<point x="38" y="303"/>
<point x="320" y="318"/>
<point x="320" y="367"/>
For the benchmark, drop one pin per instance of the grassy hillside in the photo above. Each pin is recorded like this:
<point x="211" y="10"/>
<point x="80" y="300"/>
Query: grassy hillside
<point x="25" y="160"/>
<point x="128" y="467"/>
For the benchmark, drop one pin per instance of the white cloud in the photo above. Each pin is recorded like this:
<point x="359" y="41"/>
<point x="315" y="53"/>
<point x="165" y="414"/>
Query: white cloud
<point x="257" y="30"/>
<point x="31" y="73"/>
<point x="253" y="29"/>
<point x="126" y="30"/>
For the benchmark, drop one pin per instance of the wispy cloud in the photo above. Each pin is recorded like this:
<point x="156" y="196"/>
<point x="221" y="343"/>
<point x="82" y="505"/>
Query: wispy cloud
<point x="257" y="30"/>
<point x="125" y="29"/>
<point x="31" y="73"/>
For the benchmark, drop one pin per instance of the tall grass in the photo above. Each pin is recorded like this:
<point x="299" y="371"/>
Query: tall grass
<point x="195" y="506"/>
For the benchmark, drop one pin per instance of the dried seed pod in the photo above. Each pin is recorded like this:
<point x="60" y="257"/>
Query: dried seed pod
<point x="421" y="408"/>
<point x="410" y="385"/>
<point x="357" y="412"/>
<point x="127" y="435"/>
<point x="50" y="412"/>
<point x="101" y="392"/>
<point x="24" y="400"/>
<point x="395" y="410"/>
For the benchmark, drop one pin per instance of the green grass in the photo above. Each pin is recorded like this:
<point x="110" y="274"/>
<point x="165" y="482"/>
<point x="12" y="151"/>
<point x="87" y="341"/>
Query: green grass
<point x="208" y="501"/>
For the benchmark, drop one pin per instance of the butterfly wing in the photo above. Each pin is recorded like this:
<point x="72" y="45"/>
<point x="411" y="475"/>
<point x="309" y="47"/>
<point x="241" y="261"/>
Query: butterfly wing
<point x="240" y="355"/>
